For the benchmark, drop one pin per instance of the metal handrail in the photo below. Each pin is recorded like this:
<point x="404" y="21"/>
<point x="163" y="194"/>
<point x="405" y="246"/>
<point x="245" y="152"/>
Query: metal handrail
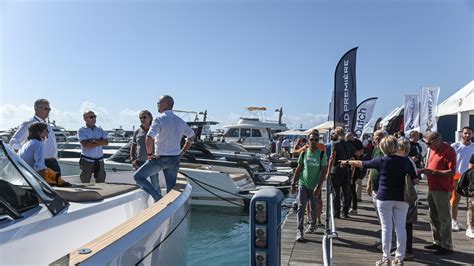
<point x="330" y="231"/>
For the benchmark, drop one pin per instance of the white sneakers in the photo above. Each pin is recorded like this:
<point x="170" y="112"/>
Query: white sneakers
<point x="454" y="226"/>
<point x="299" y="236"/>
<point x="470" y="232"/>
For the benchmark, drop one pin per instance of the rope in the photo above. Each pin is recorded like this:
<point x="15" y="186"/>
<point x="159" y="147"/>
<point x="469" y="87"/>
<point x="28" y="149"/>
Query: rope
<point x="199" y="183"/>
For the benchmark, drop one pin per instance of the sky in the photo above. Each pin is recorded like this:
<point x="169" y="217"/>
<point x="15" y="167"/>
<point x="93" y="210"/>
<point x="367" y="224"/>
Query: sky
<point x="118" y="57"/>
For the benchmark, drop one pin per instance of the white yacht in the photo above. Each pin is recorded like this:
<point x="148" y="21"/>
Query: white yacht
<point x="253" y="133"/>
<point x="88" y="224"/>
<point x="224" y="186"/>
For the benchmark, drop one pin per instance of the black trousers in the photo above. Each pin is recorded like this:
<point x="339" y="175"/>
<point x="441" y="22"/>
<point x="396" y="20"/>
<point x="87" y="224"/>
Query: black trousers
<point x="52" y="164"/>
<point x="353" y="194"/>
<point x="341" y="184"/>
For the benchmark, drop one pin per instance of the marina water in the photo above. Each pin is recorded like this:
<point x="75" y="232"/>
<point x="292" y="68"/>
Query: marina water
<point x="220" y="236"/>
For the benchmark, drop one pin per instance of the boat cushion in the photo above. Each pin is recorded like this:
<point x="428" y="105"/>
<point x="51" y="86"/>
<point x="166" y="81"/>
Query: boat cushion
<point x="93" y="191"/>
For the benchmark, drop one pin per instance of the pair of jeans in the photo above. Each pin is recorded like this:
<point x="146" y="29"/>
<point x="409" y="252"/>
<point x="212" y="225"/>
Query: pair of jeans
<point x="170" y="167"/>
<point x="305" y="195"/>
<point x="154" y="178"/>
<point x="393" y="212"/>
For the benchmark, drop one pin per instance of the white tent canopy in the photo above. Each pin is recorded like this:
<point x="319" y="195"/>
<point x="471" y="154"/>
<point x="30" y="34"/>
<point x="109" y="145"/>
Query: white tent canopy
<point x="461" y="101"/>
<point x="290" y="132"/>
<point x="324" y="127"/>
<point x="394" y="113"/>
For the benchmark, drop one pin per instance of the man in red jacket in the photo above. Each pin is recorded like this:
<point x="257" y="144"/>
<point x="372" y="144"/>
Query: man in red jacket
<point x="440" y="169"/>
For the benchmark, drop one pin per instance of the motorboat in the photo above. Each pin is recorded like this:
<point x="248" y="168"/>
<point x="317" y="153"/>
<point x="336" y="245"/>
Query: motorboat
<point x="223" y="185"/>
<point x="73" y="149"/>
<point x="88" y="224"/>
<point x="253" y="133"/>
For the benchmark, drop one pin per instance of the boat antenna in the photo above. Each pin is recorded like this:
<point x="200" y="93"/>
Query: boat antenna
<point x="280" y="114"/>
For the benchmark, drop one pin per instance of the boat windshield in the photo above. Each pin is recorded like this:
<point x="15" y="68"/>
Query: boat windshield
<point x="17" y="177"/>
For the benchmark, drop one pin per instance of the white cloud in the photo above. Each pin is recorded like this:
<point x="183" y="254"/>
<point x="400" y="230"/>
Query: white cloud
<point x="14" y="115"/>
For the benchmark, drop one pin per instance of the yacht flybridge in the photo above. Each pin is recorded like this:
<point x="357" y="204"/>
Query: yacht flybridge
<point x="254" y="133"/>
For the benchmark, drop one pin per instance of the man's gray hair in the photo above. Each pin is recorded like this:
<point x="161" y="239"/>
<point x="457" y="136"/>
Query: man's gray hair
<point x="40" y="102"/>
<point x="381" y="133"/>
<point x="168" y="99"/>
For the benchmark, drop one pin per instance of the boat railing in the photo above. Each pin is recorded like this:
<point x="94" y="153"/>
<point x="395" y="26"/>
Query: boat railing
<point x="330" y="232"/>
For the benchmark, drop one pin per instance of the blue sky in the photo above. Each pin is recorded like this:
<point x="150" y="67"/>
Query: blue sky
<point x="118" y="57"/>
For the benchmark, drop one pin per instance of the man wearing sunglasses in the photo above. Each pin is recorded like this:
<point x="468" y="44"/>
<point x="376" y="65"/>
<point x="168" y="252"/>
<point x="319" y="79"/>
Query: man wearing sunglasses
<point x="50" y="148"/>
<point x="440" y="169"/>
<point x="310" y="175"/>
<point x="92" y="138"/>
<point x="163" y="148"/>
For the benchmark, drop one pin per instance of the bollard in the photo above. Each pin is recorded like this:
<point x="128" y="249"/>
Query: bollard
<point x="265" y="227"/>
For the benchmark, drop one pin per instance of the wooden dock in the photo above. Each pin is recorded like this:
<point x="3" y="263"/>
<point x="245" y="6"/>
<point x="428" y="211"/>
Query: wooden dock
<point x="357" y="236"/>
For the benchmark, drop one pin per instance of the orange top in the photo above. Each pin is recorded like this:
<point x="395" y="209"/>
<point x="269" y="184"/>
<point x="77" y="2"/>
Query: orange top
<point x="321" y="147"/>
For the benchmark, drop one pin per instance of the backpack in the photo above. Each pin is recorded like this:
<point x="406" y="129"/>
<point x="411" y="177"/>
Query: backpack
<point x="466" y="184"/>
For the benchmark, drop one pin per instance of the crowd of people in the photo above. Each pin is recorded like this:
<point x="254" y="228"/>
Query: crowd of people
<point x="156" y="146"/>
<point x="391" y="164"/>
<point x="386" y="160"/>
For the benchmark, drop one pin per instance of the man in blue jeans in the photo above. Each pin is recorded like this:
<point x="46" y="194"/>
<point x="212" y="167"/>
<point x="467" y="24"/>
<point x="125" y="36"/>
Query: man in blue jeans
<point x="163" y="148"/>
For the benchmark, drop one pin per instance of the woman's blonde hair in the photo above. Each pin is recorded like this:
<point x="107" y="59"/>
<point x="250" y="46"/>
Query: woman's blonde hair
<point x="389" y="145"/>
<point x="404" y="145"/>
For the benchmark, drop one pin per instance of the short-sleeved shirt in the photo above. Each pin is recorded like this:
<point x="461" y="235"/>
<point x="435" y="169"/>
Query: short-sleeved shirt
<point x="139" y="138"/>
<point x="392" y="169"/>
<point x="86" y="133"/>
<point x="344" y="151"/>
<point x="442" y="159"/>
<point x="463" y="154"/>
<point x="50" y="149"/>
<point x="312" y="163"/>
<point x="168" y="129"/>
<point x="32" y="153"/>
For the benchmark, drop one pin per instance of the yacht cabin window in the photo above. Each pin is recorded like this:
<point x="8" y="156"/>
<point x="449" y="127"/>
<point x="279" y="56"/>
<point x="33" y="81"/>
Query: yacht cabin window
<point x="256" y="133"/>
<point x="233" y="133"/>
<point x="245" y="132"/>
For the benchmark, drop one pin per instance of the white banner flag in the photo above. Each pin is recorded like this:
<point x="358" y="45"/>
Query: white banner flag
<point x="429" y="103"/>
<point x="411" y="114"/>
<point x="363" y="114"/>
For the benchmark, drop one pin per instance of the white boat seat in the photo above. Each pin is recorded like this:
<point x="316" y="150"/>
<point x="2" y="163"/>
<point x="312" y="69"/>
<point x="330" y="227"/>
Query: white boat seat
<point x="93" y="191"/>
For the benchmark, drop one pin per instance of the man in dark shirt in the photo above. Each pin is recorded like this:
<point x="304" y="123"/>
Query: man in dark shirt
<point x="415" y="149"/>
<point x="341" y="179"/>
<point x="356" y="173"/>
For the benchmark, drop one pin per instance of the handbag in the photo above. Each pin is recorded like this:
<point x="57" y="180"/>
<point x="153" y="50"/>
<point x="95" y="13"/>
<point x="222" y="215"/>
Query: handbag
<point x="409" y="192"/>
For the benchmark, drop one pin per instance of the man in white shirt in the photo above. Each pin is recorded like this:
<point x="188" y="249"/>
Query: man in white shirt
<point x="464" y="150"/>
<point x="50" y="150"/>
<point x="163" y="148"/>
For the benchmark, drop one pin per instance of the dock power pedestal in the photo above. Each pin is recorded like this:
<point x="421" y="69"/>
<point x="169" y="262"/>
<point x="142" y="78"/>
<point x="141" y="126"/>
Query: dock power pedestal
<point x="265" y="227"/>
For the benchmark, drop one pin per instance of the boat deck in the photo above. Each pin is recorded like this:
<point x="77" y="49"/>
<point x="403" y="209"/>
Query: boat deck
<point x="357" y="236"/>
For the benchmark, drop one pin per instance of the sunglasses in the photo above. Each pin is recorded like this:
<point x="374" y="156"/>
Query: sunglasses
<point x="314" y="139"/>
<point x="143" y="117"/>
<point x="47" y="109"/>
<point x="92" y="116"/>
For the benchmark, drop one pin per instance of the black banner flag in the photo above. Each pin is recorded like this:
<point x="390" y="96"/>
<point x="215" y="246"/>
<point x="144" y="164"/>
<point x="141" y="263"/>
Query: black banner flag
<point x="345" y="90"/>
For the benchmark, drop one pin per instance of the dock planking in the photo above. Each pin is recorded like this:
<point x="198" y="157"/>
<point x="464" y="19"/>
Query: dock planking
<point x="357" y="236"/>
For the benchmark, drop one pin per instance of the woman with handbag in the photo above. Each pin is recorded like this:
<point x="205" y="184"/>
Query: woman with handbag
<point x="404" y="148"/>
<point x="390" y="196"/>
